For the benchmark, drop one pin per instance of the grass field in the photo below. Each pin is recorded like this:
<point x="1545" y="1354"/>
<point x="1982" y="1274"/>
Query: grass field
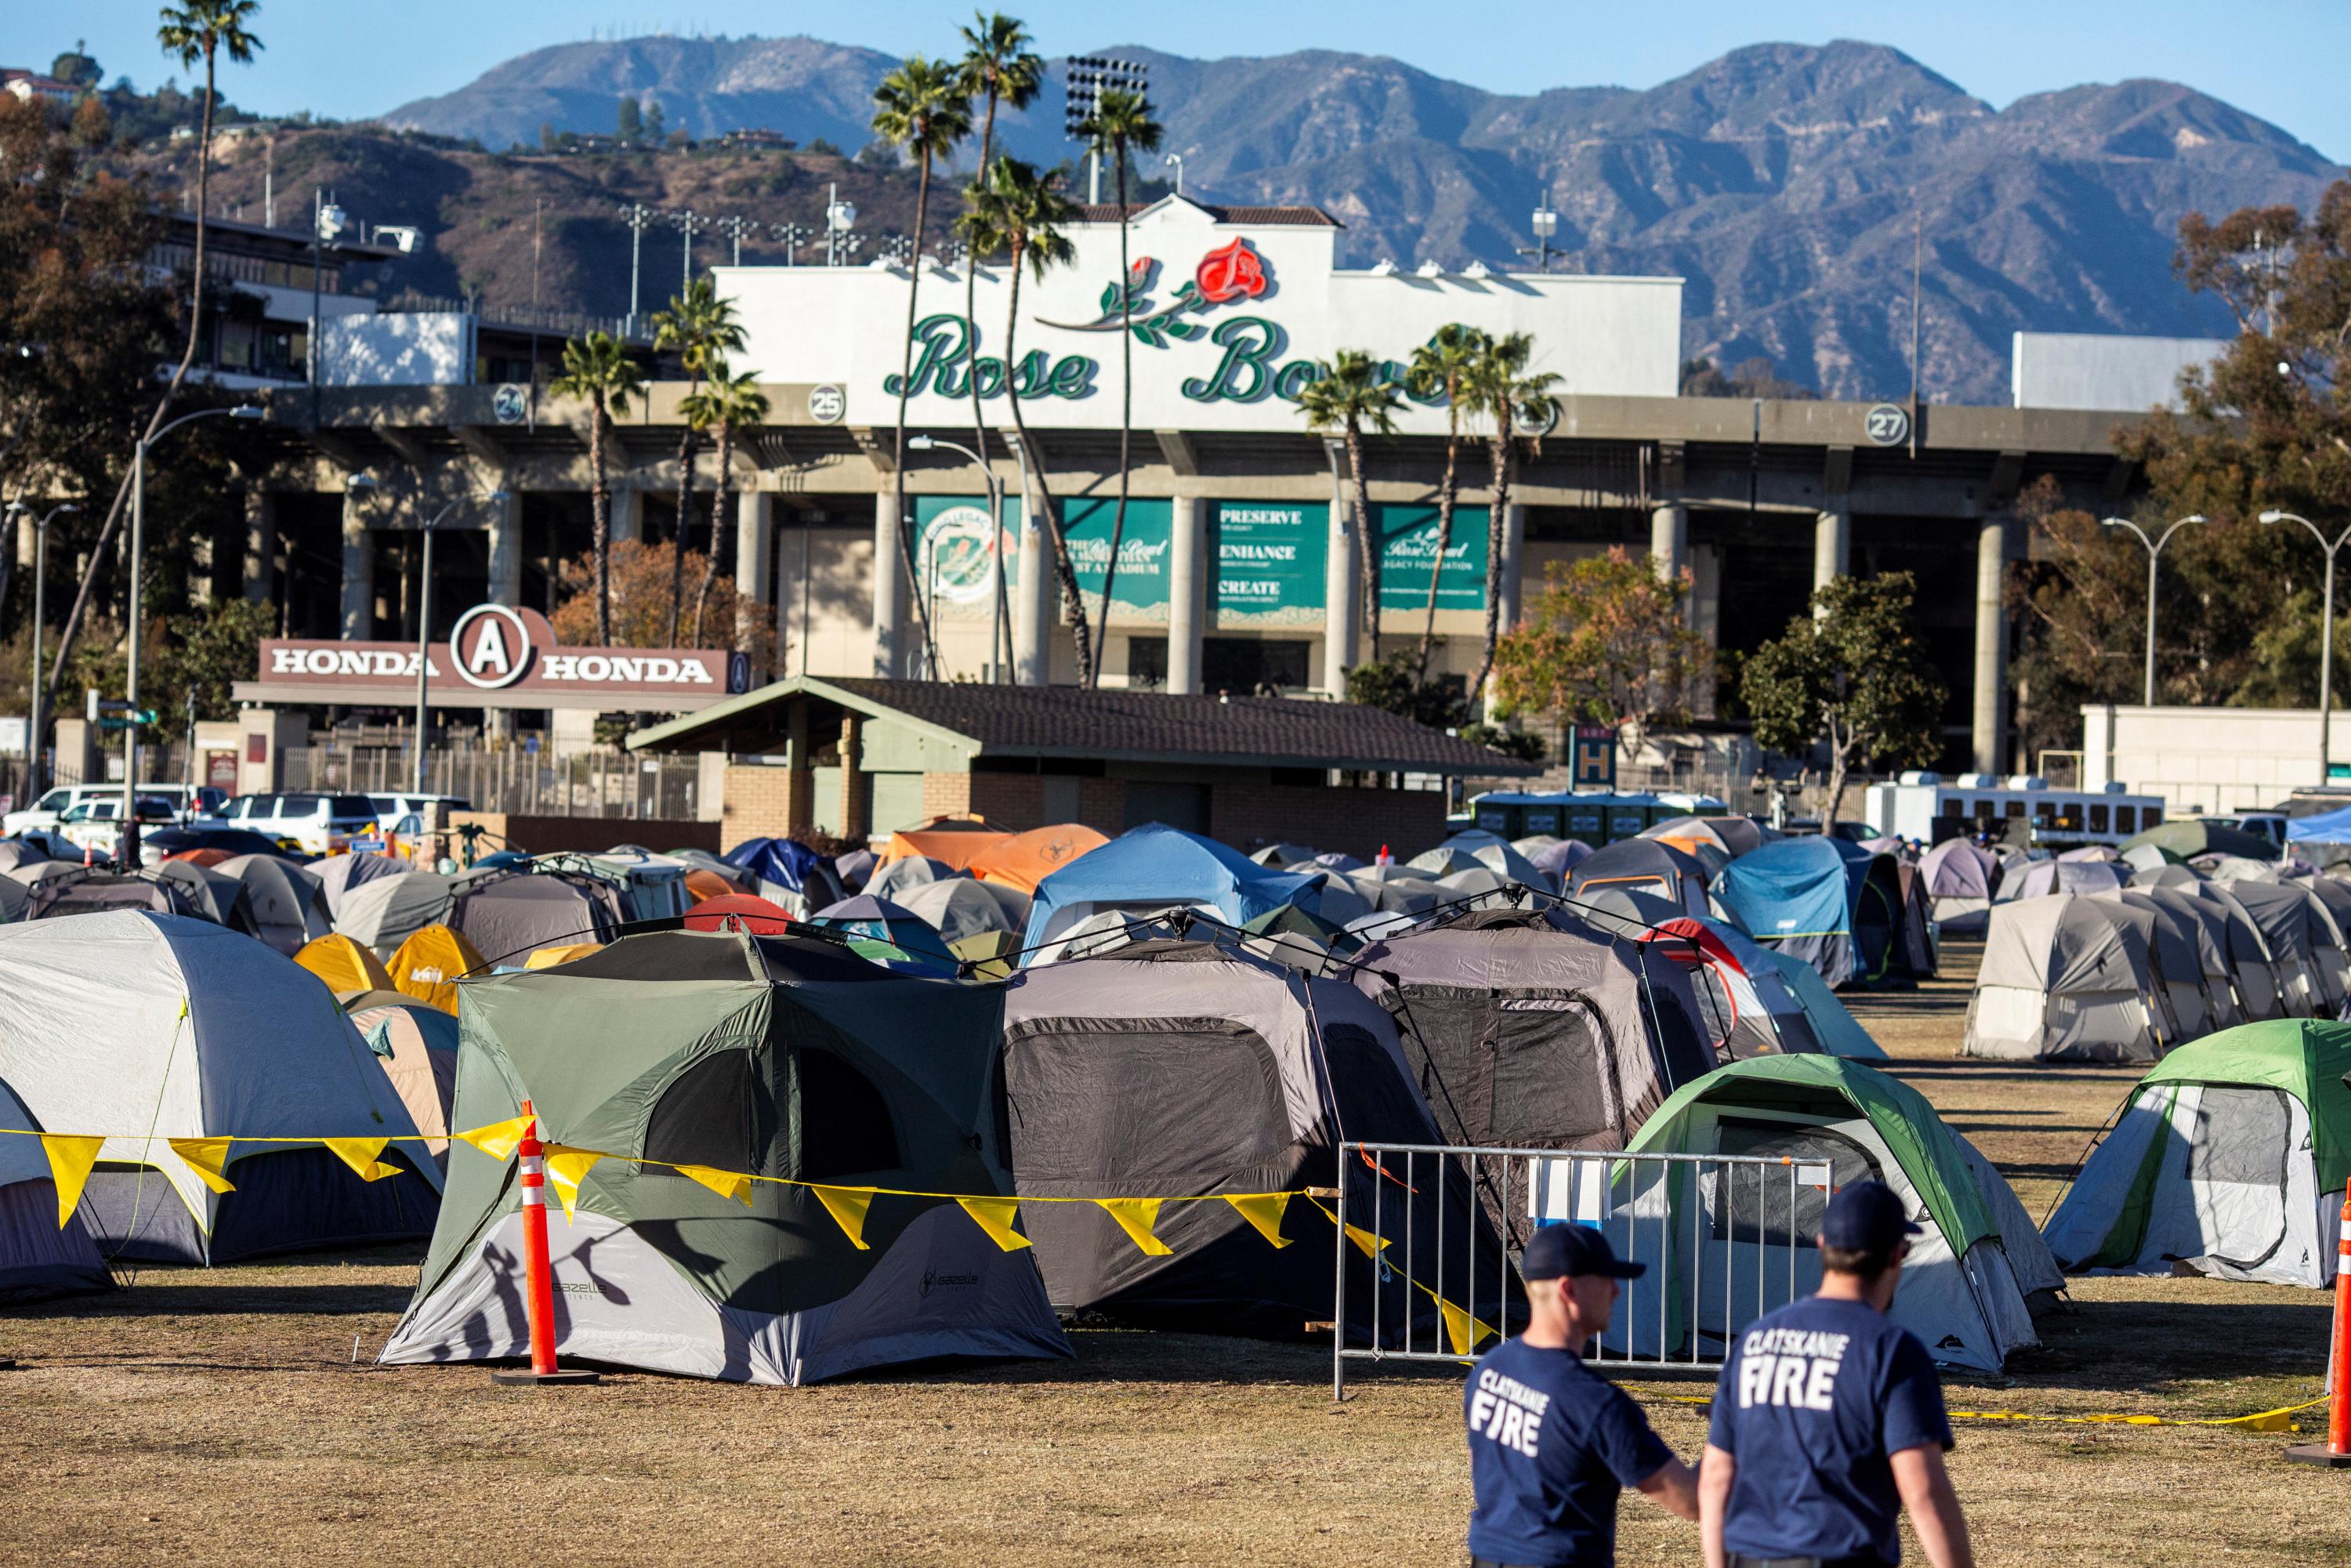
<point x="202" y="1417"/>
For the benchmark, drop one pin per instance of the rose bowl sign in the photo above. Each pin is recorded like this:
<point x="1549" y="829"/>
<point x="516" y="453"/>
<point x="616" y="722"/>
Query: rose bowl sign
<point x="500" y="656"/>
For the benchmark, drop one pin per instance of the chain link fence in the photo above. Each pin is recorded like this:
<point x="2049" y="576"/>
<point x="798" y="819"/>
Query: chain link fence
<point x="511" y="780"/>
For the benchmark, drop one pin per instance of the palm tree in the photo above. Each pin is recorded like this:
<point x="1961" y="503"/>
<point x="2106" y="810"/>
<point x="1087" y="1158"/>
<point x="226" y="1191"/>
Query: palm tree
<point x="598" y="369"/>
<point x="1020" y="214"/>
<point x="702" y="329"/>
<point x="729" y="403"/>
<point x="997" y="67"/>
<point x="920" y="109"/>
<point x="1500" y="390"/>
<point x="1348" y="394"/>
<point x="1121" y="121"/>
<point x="1439" y="368"/>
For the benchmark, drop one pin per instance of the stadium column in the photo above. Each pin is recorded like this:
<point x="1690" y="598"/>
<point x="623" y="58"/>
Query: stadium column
<point x="260" y="544"/>
<point x="1512" y="576"/>
<point x="754" y="574"/>
<point x="506" y="549"/>
<point x="1033" y="593"/>
<point x="1831" y="548"/>
<point x="628" y="515"/>
<point x="1669" y="543"/>
<point x="1342" y="594"/>
<point x="358" y="572"/>
<point x="889" y="589"/>
<point x="855" y="827"/>
<point x="1990" y="729"/>
<point x="1188" y="592"/>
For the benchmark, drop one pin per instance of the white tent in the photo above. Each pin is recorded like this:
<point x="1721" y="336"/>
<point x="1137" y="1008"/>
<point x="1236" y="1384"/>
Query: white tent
<point x="2062" y="977"/>
<point x="143" y="1027"/>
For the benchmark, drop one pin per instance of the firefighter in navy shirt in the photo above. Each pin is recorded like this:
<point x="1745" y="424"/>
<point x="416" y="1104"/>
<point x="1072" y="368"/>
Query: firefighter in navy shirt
<point x="1550" y="1442"/>
<point x="1829" y="1421"/>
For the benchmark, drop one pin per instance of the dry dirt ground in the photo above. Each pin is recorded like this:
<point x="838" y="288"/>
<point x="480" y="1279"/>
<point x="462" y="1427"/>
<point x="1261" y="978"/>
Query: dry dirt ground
<point x="204" y="1417"/>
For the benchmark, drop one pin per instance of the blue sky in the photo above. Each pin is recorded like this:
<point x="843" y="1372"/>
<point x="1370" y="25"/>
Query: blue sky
<point x="2281" y="59"/>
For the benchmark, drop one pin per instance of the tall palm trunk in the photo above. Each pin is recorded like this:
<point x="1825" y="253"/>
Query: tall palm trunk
<point x="1501" y="456"/>
<point x="898" y="461"/>
<point x="1367" y="547"/>
<point x="1125" y="409"/>
<point x="725" y="442"/>
<point x="600" y="506"/>
<point x="1064" y="569"/>
<point x="1446" y="497"/>
<point x="684" y="522"/>
<point x="971" y="306"/>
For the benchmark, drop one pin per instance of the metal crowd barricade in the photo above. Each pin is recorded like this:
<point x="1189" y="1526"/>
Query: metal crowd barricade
<point x="1727" y="1237"/>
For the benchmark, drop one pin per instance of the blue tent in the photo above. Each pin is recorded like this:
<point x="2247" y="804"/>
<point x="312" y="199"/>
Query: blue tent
<point x="1833" y="905"/>
<point x="790" y="874"/>
<point x="2326" y="828"/>
<point x="1152" y="868"/>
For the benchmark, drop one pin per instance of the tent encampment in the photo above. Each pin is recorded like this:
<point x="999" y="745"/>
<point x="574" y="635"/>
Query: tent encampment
<point x="1965" y="1287"/>
<point x="1179" y="1069"/>
<point x="2063" y="979"/>
<point x="39" y="1258"/>
<point x="2229" y="1159"/>
<point x="1961" y="878"/>
<point x="779" y="1057"/>
<point x="1470" y="851"/>
<point x="1154" y="868"/>
<point x="1644" y="865"/>
<point x="510" y="913"/>
<point x="207" y="1034"/>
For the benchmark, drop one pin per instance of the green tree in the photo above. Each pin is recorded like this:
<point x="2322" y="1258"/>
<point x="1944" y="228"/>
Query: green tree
<point x="1441" y="368"/>
<point x="629" y="125"/>
<point x="598" y="371"/>
<point x="1348" y="395"/>
<point x="1019" y="215"/>
<point x="1607" y="641"/>
<point x="701" y="328"/>
<point x="921" y="110"/>
<point x="729" y="405"/>
<point x="1501" y="389"/>
<point x="1853" y="675"/>
<point x="656" y="126"/>
<point x="998" y="68"/>
<point x="1121" y="123"/>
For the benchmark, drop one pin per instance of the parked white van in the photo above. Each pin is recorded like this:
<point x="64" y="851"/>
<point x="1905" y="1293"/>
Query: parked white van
<point x="51" y="808"/>
<point x="319" y="824"/>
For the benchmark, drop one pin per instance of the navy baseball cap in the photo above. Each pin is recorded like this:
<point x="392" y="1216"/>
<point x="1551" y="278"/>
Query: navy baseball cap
<point x="1570" y="1251"/>
<point x="1865" y="1218"/>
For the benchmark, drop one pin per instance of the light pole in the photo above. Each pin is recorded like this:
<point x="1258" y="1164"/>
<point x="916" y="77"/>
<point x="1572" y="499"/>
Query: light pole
<point x="1177" y="159"/>
<point x="424" y="634"/>
<point x="791" y="236"/>
<point x="688" y="223"/>
<point x="2154" y="553"/>
<point x="2326" y="633"/>
<point x="40" y="609"/>
<point x="840" y="218"/>
<point x="638" y="217"/>
<point x="999" y="630"/>
<point x="137" y="561"/>
<point x="1546" y="224"/>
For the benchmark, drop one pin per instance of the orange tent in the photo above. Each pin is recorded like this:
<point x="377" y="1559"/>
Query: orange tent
<point x="200" y="857"/>
<point x="1024" y="859"/>
<point x="757" y="916"/>
<point x="345" y="963"/>
<point x="701" y="884"/>
<point x="429" y="963"/>
<point x="951" y="841"/>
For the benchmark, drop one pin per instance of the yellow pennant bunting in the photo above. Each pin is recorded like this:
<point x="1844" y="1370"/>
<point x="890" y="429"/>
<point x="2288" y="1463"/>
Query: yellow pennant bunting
<point x="567" y="1168"/>
<point x="1366" y="1242"/>
<point x="208" y="1158"/>
<point x="995" y="1215"/>
<point x="1264" y="1211"/>
<point x="1465" y="1332"/>
<point x="498" y="1139"/>
<point x="1136" y="1217"/>
<point x="69" y="1162"/>
<point x="363" y="1155"/>
<point x="847" y="1205"/>
<point x="725" y="1184"/>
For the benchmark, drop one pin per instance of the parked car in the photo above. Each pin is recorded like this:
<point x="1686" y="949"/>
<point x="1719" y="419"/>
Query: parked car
<point x="97" y="823"/>
<point x="46" y="811"/>
<point x="392" y="808"/>
<point x="188" y="802"/>
<point x="2269" y="825"/>
<point x="315" y="823"/>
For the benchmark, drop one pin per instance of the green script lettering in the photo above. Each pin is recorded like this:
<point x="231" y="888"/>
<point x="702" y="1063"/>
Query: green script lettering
<point x="1243" y="374"/>
<point x="943" y="346"/>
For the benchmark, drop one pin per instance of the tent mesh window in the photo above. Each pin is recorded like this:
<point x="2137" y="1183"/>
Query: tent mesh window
<point x="1100" y="1102"/>
<point x="1739" y="1212"/>
<point x="845" y="1126"/>
<point x="2241" y="1139"/>
<point x="1553" y="1079"/>
<point x="704" y="1116"/>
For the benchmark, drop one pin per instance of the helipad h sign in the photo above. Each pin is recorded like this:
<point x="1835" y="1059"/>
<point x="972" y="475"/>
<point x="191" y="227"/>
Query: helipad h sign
<point x="495" y="648"/>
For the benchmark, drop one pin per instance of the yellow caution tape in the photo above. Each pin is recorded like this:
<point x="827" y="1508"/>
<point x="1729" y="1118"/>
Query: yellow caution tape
<point x="2259" y="1421"/>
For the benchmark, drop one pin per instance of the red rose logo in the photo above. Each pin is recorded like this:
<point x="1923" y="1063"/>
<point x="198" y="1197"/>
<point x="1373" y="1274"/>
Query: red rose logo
<point x="1231" y="271"/>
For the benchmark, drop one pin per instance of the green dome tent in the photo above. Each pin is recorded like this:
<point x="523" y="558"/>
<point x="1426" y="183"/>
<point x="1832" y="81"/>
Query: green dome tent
<point x="2188" y="836"/>
<point x="2230" y="1157"/>
<point x="1964" y="1291"/>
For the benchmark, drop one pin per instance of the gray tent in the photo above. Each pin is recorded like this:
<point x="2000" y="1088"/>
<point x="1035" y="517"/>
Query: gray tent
<point x="899" y="878"/>
<point x="39" y="1258"/>
<point x="2281" y="915"/>
<point x="2039" y="879"/>
<point x="222" y="900"/>
<point x="287" y="904"/>
<point x="339" y="875"/>
<point x="14" y="899"/>
<point x="509" y="914"/>
<point x="646" y="886"/>
<point x="15" y="852"/>
<point x="389" y="908"/>
<point x="779" y="1057"/>
<point x="1394" y="889"/>
<point x="1177" y="1069"/>
<point x="963" y="906"/>
<point x="85" y="891"/>
<point x="2187" y="943"/>
<point x="2062" y="979"/>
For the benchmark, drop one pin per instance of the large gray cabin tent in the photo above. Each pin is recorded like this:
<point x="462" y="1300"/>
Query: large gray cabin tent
<point x="1174" y="1069"/>
<point x="1527" y="1029"/>
<point x="288" y="903"/>
<point x="2195" y="969"/>
<point x="2061" y="979"/>
<point x="150" y="1027"/>
<point x="387" y="910"/>
<point x="80" y="891"/>
<point x="2281" y="917"/>
<point x="508" y="914"/>
<point x="39" y="1258"/>
<point x="772" y="1056"/>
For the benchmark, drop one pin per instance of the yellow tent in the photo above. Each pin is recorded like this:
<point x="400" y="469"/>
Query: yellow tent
<point x="344" y="964"/>
<point x="548" y="957"/>
<point x="429" y="963"/>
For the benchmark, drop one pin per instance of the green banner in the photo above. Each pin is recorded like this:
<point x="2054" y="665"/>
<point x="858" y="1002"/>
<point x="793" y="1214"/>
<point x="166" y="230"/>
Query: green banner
<point x="1270" y="558"/>
<point x="1407" y="538"/>
<point x="951" y="553"/>
<point x="1140" y="590"/>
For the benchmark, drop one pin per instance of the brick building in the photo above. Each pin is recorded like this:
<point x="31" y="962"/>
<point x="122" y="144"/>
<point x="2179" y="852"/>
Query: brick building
<point x="857" y="758"/>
